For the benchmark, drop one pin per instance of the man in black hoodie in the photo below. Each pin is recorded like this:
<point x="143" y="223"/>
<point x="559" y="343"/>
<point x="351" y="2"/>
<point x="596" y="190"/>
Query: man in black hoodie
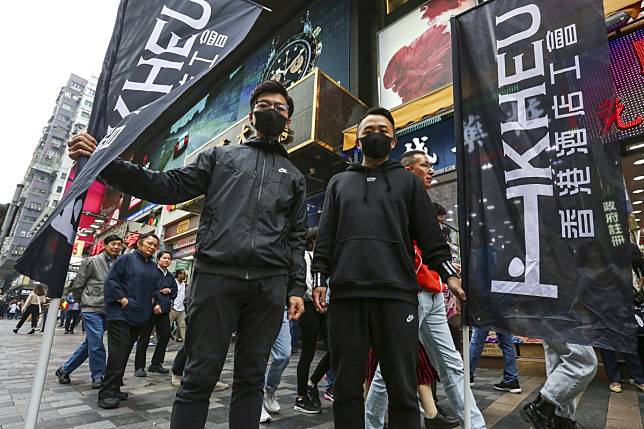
<point x="371" y="217"/>
<point x="249" y="259"/>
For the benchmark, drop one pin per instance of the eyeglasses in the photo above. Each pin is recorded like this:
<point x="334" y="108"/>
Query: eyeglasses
<point x="267" y="104"/>
<point x="427" y="165"/>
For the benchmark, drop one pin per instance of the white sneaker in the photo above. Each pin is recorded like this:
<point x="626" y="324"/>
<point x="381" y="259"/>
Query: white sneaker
<point x="265" y="417"/>
<point x="176" y="380"/>
<point x="221" y="386"/>
<point x="270" y="402"/>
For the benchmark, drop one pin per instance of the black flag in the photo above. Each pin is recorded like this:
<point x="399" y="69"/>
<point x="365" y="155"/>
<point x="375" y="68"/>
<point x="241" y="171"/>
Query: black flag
<point x="542" y="208"/>
<point x="158" y="52"/>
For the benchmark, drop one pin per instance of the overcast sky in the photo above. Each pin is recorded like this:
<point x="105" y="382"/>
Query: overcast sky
<point x="43" y="42"/>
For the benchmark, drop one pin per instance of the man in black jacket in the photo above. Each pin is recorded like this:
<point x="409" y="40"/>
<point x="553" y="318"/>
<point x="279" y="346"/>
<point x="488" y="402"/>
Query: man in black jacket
<point x="372" y="215"/>
<point x="160" y="322"/>
<point x="249" y="259"/>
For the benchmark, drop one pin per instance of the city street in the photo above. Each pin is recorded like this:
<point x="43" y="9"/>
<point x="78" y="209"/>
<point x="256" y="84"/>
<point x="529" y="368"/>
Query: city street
<point x="150" y="402"/>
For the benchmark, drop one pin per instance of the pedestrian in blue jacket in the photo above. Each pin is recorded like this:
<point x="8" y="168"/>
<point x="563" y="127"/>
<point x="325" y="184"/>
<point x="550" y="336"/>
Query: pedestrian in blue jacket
<point x="131" y="296"/>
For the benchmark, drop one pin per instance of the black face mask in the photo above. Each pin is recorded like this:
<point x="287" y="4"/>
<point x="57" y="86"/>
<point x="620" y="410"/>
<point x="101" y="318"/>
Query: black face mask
<point x="269" y="122"/>
<point x="376" y="145"/>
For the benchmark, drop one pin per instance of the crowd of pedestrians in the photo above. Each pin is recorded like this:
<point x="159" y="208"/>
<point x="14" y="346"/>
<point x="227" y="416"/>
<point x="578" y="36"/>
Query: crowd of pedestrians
<point x="376" y="284"/>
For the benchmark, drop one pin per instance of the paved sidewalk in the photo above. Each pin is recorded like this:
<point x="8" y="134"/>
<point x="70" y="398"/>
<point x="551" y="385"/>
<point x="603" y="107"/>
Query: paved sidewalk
<point x="150" y="403"/>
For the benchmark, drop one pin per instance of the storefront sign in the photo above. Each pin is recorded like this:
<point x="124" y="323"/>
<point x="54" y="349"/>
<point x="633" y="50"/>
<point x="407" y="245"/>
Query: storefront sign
<point x="186" y="251"/>
<point x="545" y="250"/>
<point x="185" y="225"/>
<point x="185" y="242"/>
<point x="436" y="139"/>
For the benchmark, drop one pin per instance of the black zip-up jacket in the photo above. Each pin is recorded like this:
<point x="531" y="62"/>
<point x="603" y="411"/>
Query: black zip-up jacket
<point x="138" y="279"/>
<point x="167" y="281"/>
<point x="369" y="221"/>
<point x="253" y="224"/>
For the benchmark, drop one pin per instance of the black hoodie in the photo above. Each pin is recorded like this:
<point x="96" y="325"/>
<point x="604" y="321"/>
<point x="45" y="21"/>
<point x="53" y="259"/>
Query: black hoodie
<point x="369" y="221"/>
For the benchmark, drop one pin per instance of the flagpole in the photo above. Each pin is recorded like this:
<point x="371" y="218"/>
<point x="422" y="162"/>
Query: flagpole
<point x="467" y="405"/>
<point x="31" y="417"/>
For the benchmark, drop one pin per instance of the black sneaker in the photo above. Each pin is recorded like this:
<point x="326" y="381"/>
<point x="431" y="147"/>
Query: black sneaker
<point x="441" y="422"/>
<point x="97" y="383"/>
<point x="305" y="405"/>
<point x="512" y="387"/>
<point x="314" y="395"/>
<point x="122" y="395"/>
<point x="62" y="377"/>
<point x="140" y="373"/>
<point x="540" y="413"/>
<point x="158" y="369"/>
<point x="109" y="402"/>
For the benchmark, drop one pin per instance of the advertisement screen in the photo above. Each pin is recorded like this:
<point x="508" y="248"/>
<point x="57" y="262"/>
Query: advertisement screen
<point x="415" y="52"/>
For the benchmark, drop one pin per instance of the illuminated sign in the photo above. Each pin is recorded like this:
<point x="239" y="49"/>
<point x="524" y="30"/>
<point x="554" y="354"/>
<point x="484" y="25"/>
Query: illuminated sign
<point x="625" y="113"/>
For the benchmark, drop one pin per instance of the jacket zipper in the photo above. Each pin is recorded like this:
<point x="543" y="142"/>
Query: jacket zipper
<point x="259" y="197"/>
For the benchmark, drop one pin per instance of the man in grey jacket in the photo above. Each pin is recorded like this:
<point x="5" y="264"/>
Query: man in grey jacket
<point x="88" y="288"/>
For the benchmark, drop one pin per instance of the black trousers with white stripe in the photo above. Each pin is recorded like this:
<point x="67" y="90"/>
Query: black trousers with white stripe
<point x="390" y="327"/>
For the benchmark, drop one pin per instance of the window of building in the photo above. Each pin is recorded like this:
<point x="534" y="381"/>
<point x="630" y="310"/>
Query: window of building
<point x="59" y="189"/>
<point x="54" y="203"/>
<point x="69" y="94"/>
<point x="29" y="219"/>
<point x="56" y="142"/>
<point x="19" y="250"/>
<point x="66" y="106"/>
<point x="42" y="178"/>
<point x="63" y="176"/>
<point x="35" y="206"/>
<point x="50" y="154"/>
<point x="88" y="103"/>
<point x="91" y="92"/>
<point x="84" y="114"/>
<point x="77" y="86"/>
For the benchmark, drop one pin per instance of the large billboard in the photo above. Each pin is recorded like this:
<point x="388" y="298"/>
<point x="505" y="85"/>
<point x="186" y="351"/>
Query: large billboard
<point x="415" y="52"/>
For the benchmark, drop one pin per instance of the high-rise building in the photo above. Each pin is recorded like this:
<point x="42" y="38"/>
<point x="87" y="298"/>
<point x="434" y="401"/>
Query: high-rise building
<point x="47" y="172"/>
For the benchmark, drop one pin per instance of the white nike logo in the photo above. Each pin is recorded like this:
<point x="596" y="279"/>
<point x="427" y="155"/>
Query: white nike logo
<point x="410" y="318"/>
<point x="283" y="170"/>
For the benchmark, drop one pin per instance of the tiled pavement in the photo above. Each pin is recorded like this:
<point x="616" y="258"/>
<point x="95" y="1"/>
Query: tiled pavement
<point x="149" y="406"/>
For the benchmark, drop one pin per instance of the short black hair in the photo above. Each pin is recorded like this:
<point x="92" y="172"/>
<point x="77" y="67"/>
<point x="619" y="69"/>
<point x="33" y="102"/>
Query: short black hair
<point x="409" y="158"/>
<point x="379" y="111"/>
<point x="163" y="252"/>
<point x="178" y="272"/>
<point x="440" y="210"/>
<point x="111" y="238"/>
<point x="274" y="87"/>
<point x="149" y="234"/>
